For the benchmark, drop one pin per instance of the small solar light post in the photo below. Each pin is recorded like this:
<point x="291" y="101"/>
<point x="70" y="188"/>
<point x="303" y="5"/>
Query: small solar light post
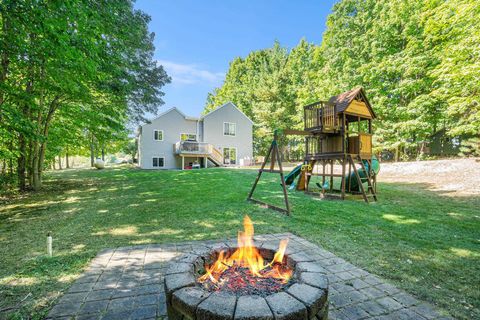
<point x="49" y="245"/>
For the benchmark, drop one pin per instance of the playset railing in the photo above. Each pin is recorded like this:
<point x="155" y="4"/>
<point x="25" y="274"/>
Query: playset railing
<point x="321" y="116"/>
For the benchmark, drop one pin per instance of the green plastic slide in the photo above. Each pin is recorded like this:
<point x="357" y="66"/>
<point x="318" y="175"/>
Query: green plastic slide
<point x="290" y="177"/>
<point x="362" y="174"/>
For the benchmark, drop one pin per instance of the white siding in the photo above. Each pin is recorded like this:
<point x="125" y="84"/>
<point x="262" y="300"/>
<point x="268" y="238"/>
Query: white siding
<point x="243" y="139"/>
<point x="173" y="123"/>
<point x="209" y="130"/>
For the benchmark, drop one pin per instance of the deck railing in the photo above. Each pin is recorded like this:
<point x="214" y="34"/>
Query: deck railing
<point x="198" y="148"/>
<point x="321" y="116"/>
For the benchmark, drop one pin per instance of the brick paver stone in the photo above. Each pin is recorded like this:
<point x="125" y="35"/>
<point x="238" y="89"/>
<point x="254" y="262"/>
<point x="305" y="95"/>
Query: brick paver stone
<point x="218" y="306"/>
<point x="286" y="307"/>
<point x="252" y="307"/>
<point x="187" y="299"/>
<point x="308" y="295"/>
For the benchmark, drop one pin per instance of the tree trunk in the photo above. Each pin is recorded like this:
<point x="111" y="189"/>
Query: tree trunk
<point x="22" y="140"/>
<point x="43" y="145"/>
<point x="4" y="166"/>
<point x="92" y="155"/>
<point x="21" y="162"/>
<point x="103" y="154"/>
<point x="41" y="159"/>
<point x="29" y="163"/>
<point x="59" y="162"/>
<point x="66" y="160"/>
<point x="10" y="166"/>
<point x="36" y="181"/>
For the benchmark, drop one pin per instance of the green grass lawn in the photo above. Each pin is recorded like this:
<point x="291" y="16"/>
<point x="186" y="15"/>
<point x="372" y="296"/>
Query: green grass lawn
<point x="421" y="241"/>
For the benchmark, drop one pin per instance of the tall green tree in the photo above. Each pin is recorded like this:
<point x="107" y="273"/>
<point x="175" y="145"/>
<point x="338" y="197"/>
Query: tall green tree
<point x="78" y="64"/>
<point x="419" y="62"/>
<point x="452" y="34"/>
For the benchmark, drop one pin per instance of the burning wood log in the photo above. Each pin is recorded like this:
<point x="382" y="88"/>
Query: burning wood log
<point x="244" y="271"/>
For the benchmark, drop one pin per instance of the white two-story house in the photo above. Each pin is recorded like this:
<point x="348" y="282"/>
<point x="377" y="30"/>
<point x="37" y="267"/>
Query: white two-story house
<point x="175" y="141"/>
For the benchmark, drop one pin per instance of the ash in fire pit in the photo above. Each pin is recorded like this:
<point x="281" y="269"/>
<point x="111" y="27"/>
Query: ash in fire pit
<point x="245" y="282"/>
<point x="240" y="281"/>
<point x="244" y="271"/>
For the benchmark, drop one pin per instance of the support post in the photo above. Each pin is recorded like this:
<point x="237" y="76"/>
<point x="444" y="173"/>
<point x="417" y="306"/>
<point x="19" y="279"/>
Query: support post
<point x="343" y="177"/>
<point x="273" y="160"/>
<point x="323" y="173"/>
<point x="349" y="175"/>
<point x="305" y="180"/>
<point x="332" y="161"/>
<point x="284" y="186"/>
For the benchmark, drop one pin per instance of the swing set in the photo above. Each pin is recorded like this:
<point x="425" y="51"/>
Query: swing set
<point x="273" y="155"/>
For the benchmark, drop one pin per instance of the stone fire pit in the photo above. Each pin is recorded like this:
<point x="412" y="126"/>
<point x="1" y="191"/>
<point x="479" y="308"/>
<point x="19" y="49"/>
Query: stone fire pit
<point x="305" y="296"/>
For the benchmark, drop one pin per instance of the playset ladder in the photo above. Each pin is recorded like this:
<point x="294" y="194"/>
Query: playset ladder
<point x="371" y="178"/>
<point x="370" y="188"/>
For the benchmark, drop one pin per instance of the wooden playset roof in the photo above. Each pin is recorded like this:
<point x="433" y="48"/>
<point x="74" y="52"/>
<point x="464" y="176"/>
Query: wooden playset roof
<point x="343" y="100"/>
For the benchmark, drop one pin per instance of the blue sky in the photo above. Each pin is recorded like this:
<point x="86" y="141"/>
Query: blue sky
<point x="195" y="40"/>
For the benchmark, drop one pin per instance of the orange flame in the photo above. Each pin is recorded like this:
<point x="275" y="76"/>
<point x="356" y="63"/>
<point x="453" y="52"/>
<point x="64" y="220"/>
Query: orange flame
<point x="248" y="256"/>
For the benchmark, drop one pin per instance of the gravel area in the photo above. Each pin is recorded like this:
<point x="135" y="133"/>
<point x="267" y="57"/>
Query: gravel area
<point x="451" y="177"/>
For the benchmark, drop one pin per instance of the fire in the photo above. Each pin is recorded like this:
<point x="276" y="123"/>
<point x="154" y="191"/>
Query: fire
<point x="247" y="256"/>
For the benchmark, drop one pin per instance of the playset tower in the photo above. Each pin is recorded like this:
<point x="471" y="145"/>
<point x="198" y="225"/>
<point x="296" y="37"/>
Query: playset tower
<point x="337" y="131"/>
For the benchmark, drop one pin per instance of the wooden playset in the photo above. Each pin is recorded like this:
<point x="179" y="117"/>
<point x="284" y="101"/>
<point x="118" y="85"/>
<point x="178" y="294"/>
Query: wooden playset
<point x="337" y="131"/>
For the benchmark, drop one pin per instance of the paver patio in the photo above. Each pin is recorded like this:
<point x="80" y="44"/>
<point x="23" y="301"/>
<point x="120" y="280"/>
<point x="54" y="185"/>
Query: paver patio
<point x="127" y="283"/>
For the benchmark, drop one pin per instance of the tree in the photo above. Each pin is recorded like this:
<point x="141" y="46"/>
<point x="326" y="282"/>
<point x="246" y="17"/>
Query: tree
<point x="419" y="62"/>
<point x="131" y="148"/>
<point x="72" y="66"/>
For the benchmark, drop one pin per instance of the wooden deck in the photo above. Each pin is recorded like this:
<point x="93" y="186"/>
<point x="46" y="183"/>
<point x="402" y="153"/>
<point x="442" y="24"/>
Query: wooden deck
<point x="198" y="149"/>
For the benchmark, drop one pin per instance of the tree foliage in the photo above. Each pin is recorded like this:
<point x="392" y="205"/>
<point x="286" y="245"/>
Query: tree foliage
<point x="419" y="62"/>
<point x="72" y="73"/>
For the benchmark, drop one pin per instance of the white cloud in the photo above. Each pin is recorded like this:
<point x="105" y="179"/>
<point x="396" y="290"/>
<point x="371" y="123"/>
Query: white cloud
<point x="190" y="73"/>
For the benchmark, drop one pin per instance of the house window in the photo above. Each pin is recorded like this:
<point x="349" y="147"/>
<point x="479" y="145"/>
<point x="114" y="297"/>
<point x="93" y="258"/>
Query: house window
<point x="158" y="162"/>
<point x="230" y="155"/>
<point x="188" y="136"/>
<point x="158" y="135"/>
<point x="229" y="129"/>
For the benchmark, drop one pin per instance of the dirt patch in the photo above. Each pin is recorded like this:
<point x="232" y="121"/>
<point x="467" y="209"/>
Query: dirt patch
<point x="453" y="177"/>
